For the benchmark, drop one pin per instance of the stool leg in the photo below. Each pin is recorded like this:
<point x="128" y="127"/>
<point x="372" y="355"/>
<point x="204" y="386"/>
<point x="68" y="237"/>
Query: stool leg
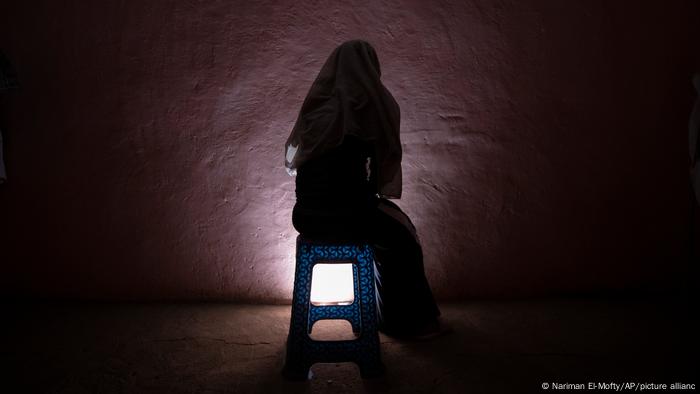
<point x="297" y="365"/>
<point x="295" y="368"/>
<point x="356" y="318"/>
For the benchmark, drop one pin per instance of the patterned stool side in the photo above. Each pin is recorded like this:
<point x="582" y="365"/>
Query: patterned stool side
<point x="302" y="351"/>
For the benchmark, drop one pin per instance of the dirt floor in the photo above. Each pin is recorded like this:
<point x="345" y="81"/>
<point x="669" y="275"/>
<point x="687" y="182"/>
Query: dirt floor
<point x="508" y="347"/>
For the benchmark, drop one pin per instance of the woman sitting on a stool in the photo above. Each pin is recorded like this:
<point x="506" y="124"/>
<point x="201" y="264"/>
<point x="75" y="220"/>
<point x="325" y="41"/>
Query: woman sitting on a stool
<point x="346" y="152"/>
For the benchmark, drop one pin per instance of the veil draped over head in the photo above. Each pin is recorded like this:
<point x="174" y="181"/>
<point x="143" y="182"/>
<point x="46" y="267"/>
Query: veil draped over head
<point x="348" y="98"/>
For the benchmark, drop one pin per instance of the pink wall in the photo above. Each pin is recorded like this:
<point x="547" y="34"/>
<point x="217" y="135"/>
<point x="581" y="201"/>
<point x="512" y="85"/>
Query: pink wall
<point x="545" y="142"/>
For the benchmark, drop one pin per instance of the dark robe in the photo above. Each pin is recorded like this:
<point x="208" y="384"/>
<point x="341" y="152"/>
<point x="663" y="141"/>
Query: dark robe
<point x="337" y="201"/>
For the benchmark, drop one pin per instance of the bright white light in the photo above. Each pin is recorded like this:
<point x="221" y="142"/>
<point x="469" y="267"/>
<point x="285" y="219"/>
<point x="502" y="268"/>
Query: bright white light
<point x="331" y="284"/>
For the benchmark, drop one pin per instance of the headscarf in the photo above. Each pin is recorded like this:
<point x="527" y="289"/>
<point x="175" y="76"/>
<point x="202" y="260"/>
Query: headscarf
<point x="348" y="98"/>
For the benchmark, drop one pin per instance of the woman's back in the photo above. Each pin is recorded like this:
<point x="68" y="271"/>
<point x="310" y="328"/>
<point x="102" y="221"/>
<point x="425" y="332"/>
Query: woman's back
<point x="335" y="191"/>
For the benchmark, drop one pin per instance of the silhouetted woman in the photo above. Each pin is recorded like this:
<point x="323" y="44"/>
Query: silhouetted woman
<point x="346" y="152"/>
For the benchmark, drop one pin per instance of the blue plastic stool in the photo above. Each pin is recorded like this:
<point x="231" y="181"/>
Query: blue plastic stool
<point x="302" y="351"/>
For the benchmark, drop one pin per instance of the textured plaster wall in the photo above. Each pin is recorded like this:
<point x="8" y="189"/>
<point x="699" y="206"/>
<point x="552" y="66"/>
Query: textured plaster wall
<point x="545" y="142"/>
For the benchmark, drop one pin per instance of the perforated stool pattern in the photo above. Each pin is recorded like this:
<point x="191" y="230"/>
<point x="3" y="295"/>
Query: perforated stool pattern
<point x="302" y="351"/>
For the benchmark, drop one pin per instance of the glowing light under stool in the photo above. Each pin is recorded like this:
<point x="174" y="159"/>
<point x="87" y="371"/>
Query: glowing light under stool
<point x="332" y="284"/>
